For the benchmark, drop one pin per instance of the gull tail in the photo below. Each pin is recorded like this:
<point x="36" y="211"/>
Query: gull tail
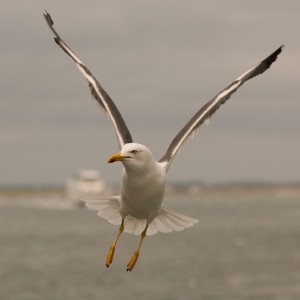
<point x="167" y="220"/>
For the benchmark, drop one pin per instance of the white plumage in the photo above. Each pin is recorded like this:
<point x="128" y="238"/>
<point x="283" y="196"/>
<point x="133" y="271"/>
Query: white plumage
<point x="167" y="220"/>
<point x="142" y="194"/>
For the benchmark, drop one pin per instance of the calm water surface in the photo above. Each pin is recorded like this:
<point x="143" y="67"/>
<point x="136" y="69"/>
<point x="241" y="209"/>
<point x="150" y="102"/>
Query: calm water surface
<point x="242" y="248"/>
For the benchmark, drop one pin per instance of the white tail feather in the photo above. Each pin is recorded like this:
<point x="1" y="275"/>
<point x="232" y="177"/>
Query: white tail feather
<point x="108" y="208"/>
<point x="169" y="220"/>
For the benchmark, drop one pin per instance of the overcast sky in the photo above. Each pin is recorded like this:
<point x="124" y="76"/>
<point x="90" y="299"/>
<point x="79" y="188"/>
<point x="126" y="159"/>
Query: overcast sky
<point x="160" y="61"/>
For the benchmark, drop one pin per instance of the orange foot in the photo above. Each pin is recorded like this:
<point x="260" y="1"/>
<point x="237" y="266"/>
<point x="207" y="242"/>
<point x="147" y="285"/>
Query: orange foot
<point x="110" y="256"/>
<point x="133" y="261"/>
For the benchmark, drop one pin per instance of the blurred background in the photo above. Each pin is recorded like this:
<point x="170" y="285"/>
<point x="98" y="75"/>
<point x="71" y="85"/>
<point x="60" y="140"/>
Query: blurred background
<point x="160" y="61"/>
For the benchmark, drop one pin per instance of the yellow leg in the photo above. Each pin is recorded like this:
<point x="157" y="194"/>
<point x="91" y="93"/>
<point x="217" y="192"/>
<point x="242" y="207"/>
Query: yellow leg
<point x="111" y="252"/>
<point x="135" y="256"/>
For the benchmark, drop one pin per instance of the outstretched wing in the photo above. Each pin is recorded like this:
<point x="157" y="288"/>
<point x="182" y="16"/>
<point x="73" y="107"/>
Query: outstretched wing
<point x="97" y="91"/>
<point x="206" y="112"/>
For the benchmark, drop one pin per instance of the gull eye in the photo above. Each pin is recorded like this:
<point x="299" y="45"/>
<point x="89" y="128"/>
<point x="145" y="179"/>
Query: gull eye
<point x="134" y="151"/>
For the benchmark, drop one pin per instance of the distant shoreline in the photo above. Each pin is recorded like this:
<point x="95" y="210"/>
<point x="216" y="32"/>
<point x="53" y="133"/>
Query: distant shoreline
<point x="193" y="189"/>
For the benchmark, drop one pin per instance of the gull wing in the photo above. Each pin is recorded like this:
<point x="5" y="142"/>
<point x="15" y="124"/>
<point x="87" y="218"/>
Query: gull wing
<point x="98" y="93"/>
<point x="207" y="111"/>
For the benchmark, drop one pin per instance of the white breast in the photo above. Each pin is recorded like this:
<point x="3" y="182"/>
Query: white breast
<point x="142" y="192"/>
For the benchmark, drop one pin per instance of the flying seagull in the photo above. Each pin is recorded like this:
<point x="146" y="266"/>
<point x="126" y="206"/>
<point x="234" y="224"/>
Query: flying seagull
<point x="139" y="208"/>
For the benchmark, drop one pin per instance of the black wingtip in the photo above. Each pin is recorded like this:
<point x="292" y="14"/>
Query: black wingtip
<point x="280" y="48"/>
<point x="272" y="57"/>
<point x="48" y="18"/>
<point x="277" y="51"/>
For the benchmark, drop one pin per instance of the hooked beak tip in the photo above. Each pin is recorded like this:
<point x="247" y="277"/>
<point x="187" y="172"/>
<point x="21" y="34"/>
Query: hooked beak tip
<point x="114" y="158"/>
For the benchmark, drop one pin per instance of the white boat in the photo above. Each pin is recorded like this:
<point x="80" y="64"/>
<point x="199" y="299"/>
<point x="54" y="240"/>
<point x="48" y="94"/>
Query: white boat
<point x="84" y="182"/>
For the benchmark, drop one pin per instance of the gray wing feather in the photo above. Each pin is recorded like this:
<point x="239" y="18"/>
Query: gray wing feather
<point x="98" y="93"/>
<point x="207" y="111"/>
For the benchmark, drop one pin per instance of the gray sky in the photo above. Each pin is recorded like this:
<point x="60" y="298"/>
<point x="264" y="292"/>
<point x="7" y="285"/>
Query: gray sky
<point x="160" y="61"/>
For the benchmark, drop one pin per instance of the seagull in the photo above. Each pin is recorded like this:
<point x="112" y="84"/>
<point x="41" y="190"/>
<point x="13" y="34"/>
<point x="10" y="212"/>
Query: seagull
<point x="139" y="209"/>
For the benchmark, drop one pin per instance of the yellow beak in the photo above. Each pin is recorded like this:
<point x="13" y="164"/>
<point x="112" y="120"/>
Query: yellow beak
<point x="115" y="157"/>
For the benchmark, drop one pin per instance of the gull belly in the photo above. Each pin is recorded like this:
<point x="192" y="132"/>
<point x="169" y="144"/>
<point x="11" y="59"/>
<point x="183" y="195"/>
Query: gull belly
<point x="142" y="192"/>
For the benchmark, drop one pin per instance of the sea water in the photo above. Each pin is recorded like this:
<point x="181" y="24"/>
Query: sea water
<point x="242" y="248"/>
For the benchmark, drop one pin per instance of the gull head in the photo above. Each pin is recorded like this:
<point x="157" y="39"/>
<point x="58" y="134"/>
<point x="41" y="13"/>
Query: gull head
<point x="133" y="155"/>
